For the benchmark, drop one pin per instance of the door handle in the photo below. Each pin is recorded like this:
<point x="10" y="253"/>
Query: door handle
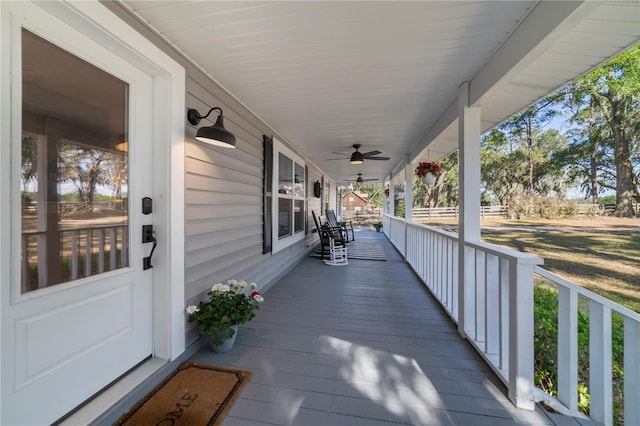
<point x="147" y="237"/>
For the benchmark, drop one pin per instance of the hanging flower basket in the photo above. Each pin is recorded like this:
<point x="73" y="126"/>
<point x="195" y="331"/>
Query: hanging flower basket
<point x="428" y="171"/>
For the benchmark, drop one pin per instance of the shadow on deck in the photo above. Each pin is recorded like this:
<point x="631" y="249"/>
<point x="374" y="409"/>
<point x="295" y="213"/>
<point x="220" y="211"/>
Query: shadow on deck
<point x="362" y="344"/>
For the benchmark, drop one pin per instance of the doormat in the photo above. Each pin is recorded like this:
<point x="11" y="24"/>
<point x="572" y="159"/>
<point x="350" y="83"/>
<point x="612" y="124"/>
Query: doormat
<point x="194" y="394"/>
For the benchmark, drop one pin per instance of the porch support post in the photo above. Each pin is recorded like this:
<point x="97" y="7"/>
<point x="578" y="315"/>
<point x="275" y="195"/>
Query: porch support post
<point x="408" y="191"/>
<point x="391" y="197"/>
<point x="521" y="335"/>
<point x="408" y="200"/>
<point x="469" y="221"/>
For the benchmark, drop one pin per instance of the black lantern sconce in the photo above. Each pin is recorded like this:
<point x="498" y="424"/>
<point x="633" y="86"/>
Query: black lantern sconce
<point x="317" y="189"/>
<point x="214" y="135"/>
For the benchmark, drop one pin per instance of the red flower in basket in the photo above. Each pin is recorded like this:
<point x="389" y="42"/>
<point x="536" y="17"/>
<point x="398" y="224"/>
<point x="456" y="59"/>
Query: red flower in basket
<point x="427" y="167"/>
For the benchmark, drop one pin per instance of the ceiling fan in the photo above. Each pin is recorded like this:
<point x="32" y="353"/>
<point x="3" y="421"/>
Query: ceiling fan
<point x="360" y="179"/>
<point x="358" y="157"/>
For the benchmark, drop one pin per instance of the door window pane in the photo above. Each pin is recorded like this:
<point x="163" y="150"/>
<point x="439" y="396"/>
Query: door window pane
<point x="74" y="171"/>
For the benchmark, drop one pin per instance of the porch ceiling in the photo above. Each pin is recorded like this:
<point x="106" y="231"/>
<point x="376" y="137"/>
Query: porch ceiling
<point x="326" y="75"/>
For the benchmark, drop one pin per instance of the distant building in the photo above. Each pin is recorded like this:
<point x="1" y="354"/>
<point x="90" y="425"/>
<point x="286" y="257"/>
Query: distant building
<point x="356" y="202"/>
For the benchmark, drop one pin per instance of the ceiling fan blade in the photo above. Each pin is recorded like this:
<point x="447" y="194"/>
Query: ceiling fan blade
<point x="333" y="159"/>
<point x="341" y="153"/>
<point x="370" y="153"/>
<point x="378" y="158"/>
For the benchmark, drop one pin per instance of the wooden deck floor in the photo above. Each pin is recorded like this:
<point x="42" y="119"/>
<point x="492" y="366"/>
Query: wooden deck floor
<point x="363" y="344"/>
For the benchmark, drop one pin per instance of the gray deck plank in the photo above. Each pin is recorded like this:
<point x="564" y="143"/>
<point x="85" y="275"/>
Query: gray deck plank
<point x="362" y="344"/>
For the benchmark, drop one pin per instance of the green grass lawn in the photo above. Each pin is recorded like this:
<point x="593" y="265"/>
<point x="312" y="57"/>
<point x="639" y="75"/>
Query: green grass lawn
<point x="605" y="262"/>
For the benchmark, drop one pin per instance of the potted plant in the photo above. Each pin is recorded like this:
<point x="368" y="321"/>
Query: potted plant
<point x="378" y="226"/>
<point x="228" y="305"/>
<point x="428" y="171"/>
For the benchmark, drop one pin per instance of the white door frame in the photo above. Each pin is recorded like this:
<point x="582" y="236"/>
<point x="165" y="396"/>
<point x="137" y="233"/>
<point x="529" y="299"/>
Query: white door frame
<point x="101" y="25"/>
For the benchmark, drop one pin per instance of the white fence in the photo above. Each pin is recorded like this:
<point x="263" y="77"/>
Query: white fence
<point x="494" y="308"/>
<point x="430" y="213"/>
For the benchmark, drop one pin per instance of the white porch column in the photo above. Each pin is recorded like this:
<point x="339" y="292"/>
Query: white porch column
<point x="408" y="190"/>
<point x="469" y="221"/>
<point x="391" y="197"/>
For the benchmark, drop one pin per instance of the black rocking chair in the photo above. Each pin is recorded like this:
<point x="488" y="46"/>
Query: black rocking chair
<point x="332" y="220"/>
<point x="326" y="232"/>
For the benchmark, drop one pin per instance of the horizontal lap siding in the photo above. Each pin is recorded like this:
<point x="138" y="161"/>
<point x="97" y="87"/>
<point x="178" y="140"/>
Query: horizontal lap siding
<point x="224" y="203"/>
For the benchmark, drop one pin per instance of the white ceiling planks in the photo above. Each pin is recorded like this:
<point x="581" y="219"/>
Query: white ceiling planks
<point x="326" y="75"/>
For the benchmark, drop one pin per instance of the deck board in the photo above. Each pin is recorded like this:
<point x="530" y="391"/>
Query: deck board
<point x="362" y="344"/>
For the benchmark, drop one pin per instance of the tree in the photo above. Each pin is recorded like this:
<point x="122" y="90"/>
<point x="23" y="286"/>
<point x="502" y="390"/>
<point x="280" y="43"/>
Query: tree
<point x="525" y="127"/>
<point x="503" y="170"/>
<point x="89" y="168"/>
<point x="612" y="92"/>
<point x="29" y="159"/>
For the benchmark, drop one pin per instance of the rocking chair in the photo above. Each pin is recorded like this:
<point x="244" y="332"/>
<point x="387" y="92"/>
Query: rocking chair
<point x="326" y="234"/>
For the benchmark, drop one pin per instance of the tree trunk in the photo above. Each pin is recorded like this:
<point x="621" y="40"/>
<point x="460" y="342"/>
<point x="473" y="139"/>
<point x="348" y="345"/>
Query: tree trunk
<point x="593" y="167"/>
<point x="530" y="153"/>
<point x="624" y="171"/>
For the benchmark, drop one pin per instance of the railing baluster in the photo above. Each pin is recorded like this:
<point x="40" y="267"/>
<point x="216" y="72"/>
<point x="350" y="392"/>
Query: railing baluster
<point x="600" y="381"/>
<point x="112" y="251"/>
<point x="504" y="314"/>
<point x="74" y="254"/>
<point x="480" y="296"/>
<point x="568" y="348"/>
<point x="455" y="310"/>
<point x="88" y="253"/>
<point x="100" y="250"/>
<point x="25" y="262"/>
<point x="631" y="371"/>
<point x="492" y="305"/>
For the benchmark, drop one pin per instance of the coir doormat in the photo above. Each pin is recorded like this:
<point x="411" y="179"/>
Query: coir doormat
<point x="194" y="394"/>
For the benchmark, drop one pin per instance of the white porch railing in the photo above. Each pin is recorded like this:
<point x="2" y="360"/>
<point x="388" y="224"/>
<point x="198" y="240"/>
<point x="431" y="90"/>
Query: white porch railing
<point x="571" y="298"/>
<point x="498" y="318"/>
<point x="84" y="252"/>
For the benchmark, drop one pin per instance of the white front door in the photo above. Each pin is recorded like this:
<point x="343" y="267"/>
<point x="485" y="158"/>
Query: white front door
<point x="77" y="313"/>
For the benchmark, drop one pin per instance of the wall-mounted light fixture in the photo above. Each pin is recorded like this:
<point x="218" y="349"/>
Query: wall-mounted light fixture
<point x="216" y="134"/>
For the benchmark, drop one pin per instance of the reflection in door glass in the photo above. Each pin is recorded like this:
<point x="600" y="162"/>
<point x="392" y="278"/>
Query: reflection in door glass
<point x="74" y="171"/>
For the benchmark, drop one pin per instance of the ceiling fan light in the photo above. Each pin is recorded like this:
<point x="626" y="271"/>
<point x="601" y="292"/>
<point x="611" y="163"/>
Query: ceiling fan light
<point x="356" y="158"/>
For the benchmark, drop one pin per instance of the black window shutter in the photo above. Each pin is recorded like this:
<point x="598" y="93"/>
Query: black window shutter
<point x="267" y="142"/>
<point x="306" y="200"/>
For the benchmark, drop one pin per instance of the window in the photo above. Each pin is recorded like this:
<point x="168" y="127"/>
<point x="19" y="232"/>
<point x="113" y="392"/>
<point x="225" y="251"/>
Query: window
<point x="289" y="199"/>
<point x="74" y="168"/>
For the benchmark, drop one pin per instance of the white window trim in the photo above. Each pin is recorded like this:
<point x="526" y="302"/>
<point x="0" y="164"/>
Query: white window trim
<point x="277" y="243"/>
